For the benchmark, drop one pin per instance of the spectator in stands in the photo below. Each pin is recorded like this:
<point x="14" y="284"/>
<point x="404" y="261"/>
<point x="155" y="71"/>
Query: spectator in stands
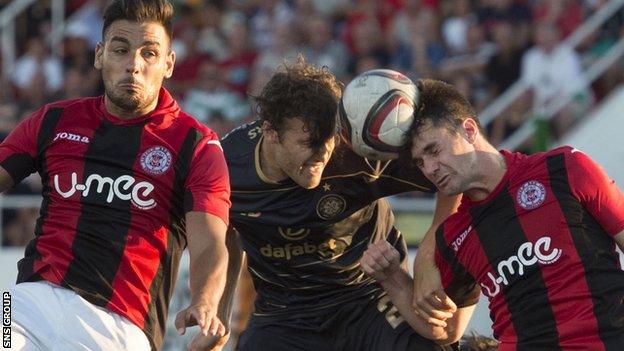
<point x="422" y="51"/>
<point x="502" y="70"/>
<point x="400" y="31"/>
<point x="567" y="15"/>
<point x="213" y="103"/>
<point x="188" y="61"/>
<point x="282" y="48"/>
<point x="37" y="62"/>
<point x="455" y="26"/>
<point x="77" y="84"/>
<point x="239" y="56"/>
<point x="89" y="16"/>
<point x="472" y="61"/>
<point x="321" y="48"/>
<point x="78" y="53"/>
<point x="515" y="12"/>
<point x="270" y="15"/>
<point x="32" y="95"/>
<point x="211" y="40"/>
<point x="553" y="71"/>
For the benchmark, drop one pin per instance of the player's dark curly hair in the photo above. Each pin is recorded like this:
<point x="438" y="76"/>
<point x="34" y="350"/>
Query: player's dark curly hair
<point x="159" y="11"/>
<point x="441" y="104"/>
<point x="301" y="90"/>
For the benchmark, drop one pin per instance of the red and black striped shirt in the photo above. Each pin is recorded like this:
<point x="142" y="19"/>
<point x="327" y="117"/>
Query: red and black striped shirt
<point x="115" y="194"/>
<point x="541" y="248"/>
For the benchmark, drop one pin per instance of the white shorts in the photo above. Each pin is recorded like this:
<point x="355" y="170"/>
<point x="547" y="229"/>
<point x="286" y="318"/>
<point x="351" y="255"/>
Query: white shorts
<point x="48" y="317"/>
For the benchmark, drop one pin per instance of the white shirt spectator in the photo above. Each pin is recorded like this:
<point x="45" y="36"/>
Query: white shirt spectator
<point x="551" y="74"/>
<point x="29" y="65"/>
<point x="205" y="105"/>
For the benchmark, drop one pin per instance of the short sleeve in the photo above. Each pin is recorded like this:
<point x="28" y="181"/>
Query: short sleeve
<point x="598" y="193"/>
<point x="18" y="152"/>
<point x="208" y="184"/>
<point x="458" y="284"/>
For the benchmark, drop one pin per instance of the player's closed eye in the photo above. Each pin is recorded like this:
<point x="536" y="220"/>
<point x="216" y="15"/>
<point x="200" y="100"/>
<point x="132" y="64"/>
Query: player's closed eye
<point x="149" y="54"/>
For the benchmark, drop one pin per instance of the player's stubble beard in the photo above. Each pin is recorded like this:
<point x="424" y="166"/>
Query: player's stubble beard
<point x="130" y="102"/>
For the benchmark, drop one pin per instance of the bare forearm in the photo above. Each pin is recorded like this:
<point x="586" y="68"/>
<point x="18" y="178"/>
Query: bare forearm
<point x="208" y="273"/>
<point x="399" y="289"/>
<point x="235" y="255"/>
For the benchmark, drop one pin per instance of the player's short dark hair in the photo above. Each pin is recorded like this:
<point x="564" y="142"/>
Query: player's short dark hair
<point x="301" y="90"/>
<point x="159" y="11"/>
<point x="442" y="105"/>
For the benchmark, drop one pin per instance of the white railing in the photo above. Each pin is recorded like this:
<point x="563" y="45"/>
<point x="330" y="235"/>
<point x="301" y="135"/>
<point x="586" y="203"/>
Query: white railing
<point x="521" y="134"/>
<point x="494" y="110"/>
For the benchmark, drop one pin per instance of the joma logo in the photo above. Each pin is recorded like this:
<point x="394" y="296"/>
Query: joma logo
<point x="71" y="137"/>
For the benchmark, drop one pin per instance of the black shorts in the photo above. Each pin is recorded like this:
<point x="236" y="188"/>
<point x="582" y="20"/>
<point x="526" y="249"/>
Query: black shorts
<point x="369" y="324"/>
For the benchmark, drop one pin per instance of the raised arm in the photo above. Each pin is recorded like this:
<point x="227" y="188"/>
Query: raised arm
<point x="429" y="298"/>
<point x="381" y="261"/>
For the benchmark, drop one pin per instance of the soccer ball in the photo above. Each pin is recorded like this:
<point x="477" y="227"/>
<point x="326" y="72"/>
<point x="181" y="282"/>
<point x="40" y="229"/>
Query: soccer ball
<point x="376" y="111"/>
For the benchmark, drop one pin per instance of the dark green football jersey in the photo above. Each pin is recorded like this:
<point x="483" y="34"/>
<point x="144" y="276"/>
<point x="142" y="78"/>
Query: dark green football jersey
<point x="304" y="245"/>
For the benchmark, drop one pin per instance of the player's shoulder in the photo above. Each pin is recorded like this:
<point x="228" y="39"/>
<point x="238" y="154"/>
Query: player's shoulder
<point x="187" y="122"/>
<point x="523" y="160"/>
<point x="242" y="140"/>
<point x="62" y="107"/>
<point x="84" y="104"/>
<point x="570" y="154"/>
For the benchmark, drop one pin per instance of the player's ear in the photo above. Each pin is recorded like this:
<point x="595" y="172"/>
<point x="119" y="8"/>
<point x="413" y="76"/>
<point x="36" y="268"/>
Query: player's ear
<point x="169" y="63"/>
<point x="471" y="129"/>
<point x="269" y="133"/>
<point x="99" y="50"/>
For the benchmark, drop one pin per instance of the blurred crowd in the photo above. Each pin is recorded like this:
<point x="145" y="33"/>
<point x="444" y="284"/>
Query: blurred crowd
<point x="227" y="49"/>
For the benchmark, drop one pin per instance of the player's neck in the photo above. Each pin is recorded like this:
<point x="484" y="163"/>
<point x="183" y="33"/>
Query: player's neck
<point x="268" y="164"/>
<point x="492" y="168"/>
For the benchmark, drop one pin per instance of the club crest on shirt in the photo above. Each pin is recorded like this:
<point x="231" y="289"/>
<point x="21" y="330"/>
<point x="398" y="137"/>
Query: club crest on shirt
<point x="531" y="195"/>
<point x="156" y="160"/>
<point x="330" y="206"/>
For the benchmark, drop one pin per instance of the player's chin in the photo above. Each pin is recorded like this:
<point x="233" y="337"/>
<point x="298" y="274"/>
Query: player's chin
<point x="449" y="190"/>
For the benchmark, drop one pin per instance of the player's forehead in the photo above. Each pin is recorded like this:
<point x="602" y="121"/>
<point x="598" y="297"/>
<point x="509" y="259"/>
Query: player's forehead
<point x="295" y="128"/>
<point x="428" y="135"/>
<point x="425" y="133"/>
<point x="137" y="33"/>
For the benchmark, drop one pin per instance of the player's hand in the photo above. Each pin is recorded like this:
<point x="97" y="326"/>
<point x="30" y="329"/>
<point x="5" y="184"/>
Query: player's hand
<point x="201" y="315"/>
<point x="380" y="260"/>
<point x="430" y="301"/>
<point x="209" y="342"/>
